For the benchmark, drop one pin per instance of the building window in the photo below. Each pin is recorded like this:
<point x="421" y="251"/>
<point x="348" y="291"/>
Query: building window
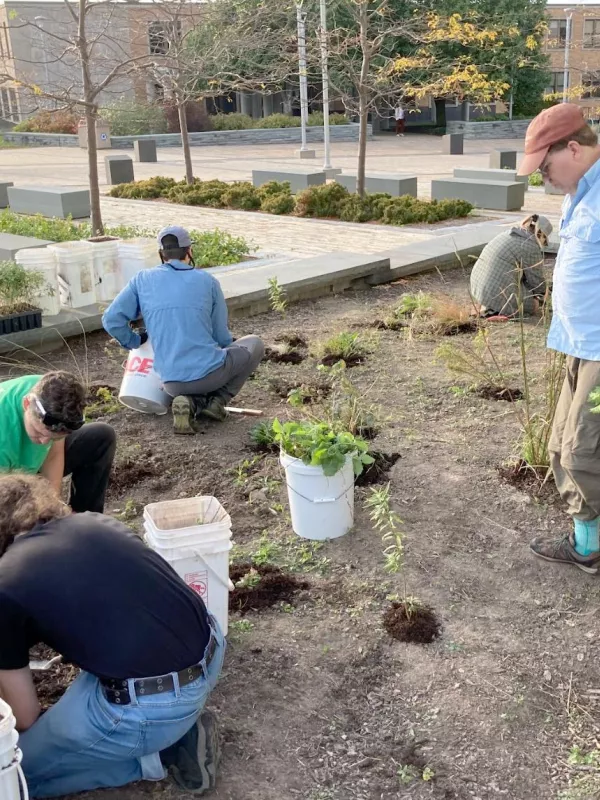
<point x="162" y="35"/>
<point x="557" y="83"/>
<point x="9" y="107"/>
<point x="591" y="33"/>
<point x="557" y="32"/>
<point x="591" y="85"/>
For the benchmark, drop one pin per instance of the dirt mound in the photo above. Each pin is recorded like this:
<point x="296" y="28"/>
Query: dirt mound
<point x="490" y="392"/>
<point x="378" y="471"/>
<point x="292" y="339"/>
<point x="284" y="357"/>
<point x="272" y="586"/>
<point x="537" y="483"/>
<point x="420" y="626"/>
<point x="311" y="392"/>
<point x="130" y="472"/>
<point x="333" y="358"/>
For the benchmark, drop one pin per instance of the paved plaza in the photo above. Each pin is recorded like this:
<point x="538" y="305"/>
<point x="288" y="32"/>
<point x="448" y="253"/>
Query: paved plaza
<point x="416" y="154"/>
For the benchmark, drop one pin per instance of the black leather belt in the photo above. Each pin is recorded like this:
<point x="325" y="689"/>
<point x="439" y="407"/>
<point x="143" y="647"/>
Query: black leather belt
<point x="117" y="691"/>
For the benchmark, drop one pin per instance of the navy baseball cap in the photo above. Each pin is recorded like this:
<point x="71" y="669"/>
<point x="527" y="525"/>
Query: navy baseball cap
<point x="182" y="236"/>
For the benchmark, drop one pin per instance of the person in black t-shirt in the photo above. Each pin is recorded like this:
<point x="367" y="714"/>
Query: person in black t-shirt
<point x="149" y="652"/>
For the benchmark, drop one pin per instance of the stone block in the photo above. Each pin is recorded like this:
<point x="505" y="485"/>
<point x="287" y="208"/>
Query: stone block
<point x="50" y="201"/>
<point x="10" y="244"/>
<point x="119" y="169"/>
<point x="496" y="195"/>
<point x="332" y="172"/>
<point x="509" y="175"/>
<point x="4" y="193"/>
<point x="549" y="189"/>
<point x="302" y="154"/>
<point x="145" y="150"/>
<point x="453" y="144"/>
<point x="503" y="159"/>
<point x="395" y="184"/>
<point x="297" y="180"/>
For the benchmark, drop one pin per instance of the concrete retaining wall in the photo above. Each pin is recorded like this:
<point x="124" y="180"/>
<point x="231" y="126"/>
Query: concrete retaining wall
<point x="503" y="129"/>
<point x="338" y="133"/>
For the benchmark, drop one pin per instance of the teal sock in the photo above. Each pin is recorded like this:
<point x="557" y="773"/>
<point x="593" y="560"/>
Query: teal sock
<point x="586" y="536"/>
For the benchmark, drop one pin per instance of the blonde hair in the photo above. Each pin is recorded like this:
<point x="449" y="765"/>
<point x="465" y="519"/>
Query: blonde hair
<point x="25" y="501"/>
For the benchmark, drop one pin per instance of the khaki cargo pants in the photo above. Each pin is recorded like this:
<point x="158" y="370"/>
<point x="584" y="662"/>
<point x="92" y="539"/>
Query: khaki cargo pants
<point x="575" y="441"/>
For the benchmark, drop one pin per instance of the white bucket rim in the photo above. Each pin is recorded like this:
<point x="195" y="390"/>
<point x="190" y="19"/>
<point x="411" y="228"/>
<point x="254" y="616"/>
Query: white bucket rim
<point x="174" y="505"/>
<point x="130" y="402"/>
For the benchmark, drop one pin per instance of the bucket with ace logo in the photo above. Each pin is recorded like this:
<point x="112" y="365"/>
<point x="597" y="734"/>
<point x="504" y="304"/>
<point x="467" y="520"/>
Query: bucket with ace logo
<point x="141" y="388"/>
<point x="194" y="536"/>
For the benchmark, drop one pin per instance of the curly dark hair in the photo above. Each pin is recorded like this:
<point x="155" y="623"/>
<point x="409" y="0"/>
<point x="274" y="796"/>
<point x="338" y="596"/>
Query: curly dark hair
<point x="25" y="501"/>
<point x="62" y="395"/>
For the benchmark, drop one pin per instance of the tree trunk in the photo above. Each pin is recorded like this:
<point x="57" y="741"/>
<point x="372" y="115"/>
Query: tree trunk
<point x="363" y="98"/>
<point x="440" y="113"/>
<point x="95" y="213"/>
<point x="185" y="141"/>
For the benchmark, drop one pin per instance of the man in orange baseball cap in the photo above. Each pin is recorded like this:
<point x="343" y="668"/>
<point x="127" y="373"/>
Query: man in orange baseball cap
<point x="565" y="150"/>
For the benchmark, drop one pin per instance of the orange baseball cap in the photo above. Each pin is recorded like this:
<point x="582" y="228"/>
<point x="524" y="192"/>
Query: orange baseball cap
<point x="550" y="126"/>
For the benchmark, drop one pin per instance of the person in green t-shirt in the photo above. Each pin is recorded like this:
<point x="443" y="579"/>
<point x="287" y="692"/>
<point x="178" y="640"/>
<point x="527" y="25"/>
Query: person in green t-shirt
<point x="42" y="431"/>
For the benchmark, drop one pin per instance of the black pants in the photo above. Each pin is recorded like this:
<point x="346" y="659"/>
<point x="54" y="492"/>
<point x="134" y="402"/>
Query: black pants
<point x="89" y="454"/>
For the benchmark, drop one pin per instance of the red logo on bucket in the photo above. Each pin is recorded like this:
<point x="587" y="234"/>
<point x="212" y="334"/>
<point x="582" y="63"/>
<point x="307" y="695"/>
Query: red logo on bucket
<point x="140" y="365"/>
<point x="198" y="581"/>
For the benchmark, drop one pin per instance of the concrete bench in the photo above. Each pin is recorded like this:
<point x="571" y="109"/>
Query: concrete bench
<point x="453" y="144"/>
<point x="4" y="193"/>
<point x="509" y="175"/>
<point x="50" y="201"/>
<point x="119" y="169"/>
<point x="10" y="244"/>
<point x="145" y="150"/>
<point x="503" y="159"/>
<point x="298" y="180"/>
<point x="497" y="195"/>
<point x="395" y="184"/>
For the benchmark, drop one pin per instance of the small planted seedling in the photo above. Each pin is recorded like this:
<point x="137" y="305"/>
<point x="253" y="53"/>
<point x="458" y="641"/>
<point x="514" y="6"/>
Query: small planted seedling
<point x="249" y="580"/>
<point x="273" y="586"/>
<point x="350" y="347"/>
<point x="277" y="296"/>
<point x="263" y="437"/>
<point x="101" y="402"/>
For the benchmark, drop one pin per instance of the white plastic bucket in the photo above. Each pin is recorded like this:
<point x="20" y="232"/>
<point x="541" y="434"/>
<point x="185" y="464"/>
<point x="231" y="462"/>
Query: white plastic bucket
<point x="194" y="536"/>
<point x="75" y="268"/>
<point x="106" y="270"/>
<point x="135" y="255"/>
<point x="11" y="775"/>
<point x="321" y="507"/>
<point x="43" y="260"/>
<point x="141" y="388"/>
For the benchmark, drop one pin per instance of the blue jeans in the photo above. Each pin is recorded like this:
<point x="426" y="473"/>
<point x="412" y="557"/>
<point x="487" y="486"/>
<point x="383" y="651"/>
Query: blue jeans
<point x="84" y="742"/>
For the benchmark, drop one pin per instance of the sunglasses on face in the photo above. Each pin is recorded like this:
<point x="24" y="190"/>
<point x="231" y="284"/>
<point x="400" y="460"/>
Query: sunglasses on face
<point x="52" y="423"/>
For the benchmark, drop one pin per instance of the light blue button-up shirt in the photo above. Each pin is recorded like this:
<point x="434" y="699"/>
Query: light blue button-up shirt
<point x="575" y="328"/>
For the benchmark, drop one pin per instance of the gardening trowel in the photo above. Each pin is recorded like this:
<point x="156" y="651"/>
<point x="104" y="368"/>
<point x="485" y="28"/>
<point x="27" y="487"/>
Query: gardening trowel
<point x="43" y="666"/>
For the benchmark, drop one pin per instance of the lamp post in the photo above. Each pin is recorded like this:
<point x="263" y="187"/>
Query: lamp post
<point x="569" y="13"/>
<point x="325" y="74"/>
<point x="301" y="20"/>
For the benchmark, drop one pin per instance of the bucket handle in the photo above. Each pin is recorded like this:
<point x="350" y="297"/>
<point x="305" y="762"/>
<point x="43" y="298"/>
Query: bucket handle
<point x="228" y="584"/>
<point x="16" y="764"/>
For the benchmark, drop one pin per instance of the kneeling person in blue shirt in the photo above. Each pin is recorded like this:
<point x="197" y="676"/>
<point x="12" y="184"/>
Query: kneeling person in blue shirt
<point x="185" y="315"/>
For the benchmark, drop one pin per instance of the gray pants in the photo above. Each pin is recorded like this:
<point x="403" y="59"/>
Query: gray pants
<point x="242" y="358"/>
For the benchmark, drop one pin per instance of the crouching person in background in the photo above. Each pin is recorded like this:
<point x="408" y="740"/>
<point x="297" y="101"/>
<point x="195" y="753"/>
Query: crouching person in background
<point x="149" y="652"/>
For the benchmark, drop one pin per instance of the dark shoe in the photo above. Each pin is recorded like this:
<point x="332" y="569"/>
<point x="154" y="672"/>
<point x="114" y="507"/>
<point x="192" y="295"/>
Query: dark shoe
<point x="562" y="551"/>
<point x="183" y="415"/>
<point x="215" y="409"/>
<point x="197" y="757"/>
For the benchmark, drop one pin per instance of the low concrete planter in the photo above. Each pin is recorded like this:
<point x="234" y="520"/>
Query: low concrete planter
<point x="338" y="133"/>
<point x="503" y="129"/>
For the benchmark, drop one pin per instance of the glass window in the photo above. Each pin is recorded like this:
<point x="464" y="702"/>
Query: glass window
<point x="591" y="84"/>
<point x="557" y="32"/>
<point x="591" y="33"/>
<point x="557" y="83"/>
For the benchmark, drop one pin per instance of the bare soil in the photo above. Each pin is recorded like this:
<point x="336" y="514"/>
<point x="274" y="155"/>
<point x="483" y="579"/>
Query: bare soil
<point x="317" y="701"/>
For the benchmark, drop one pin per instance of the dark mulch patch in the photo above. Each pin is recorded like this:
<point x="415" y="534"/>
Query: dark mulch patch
<point x="464" y="327"/>
<point x="130" y="472"/>
<point x="389" y="325"/>
<point x="314" y="391"/>
<point x="94" y="388"/>
<point x="378" y="471"/>
<point x="421" y="627"/>
<point x="288" y="357"/>
<point x="292" y="339"/>
<point x="51" y="684"/>
<point x="537" y="483"/>
<point x="490" y="392"/>
<point x="333" y="358"/>
<point x="275" y="586"/>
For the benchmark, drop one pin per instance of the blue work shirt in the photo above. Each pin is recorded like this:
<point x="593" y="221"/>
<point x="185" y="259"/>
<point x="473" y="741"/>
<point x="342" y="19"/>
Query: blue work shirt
<point x="185" y="316"/>
<point x="575" y="328"/>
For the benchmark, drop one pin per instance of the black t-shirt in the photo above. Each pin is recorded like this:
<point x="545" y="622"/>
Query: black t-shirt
<point x="89" y="588"/>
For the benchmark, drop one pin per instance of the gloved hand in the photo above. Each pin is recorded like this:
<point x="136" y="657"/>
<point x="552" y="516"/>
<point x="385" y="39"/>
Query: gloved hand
<point x="143" y="337"/>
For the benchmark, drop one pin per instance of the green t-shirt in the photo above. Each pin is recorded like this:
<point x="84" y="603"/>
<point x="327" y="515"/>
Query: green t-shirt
<point x="17" y="451"/>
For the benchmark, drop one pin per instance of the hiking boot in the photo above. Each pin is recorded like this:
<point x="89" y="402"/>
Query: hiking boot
<point x="562" y="551"/>
<point x="183" y="415"/>
<point x="197" y="756"/>
<point x="215" y="409"/>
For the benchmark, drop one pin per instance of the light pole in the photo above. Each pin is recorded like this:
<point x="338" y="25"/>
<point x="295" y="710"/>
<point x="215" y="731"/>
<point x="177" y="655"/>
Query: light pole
<point x="569" y="13"/>
<point x="301" y="19"/>
<point x="325" y="73"/>
<point x="40" y="24"/>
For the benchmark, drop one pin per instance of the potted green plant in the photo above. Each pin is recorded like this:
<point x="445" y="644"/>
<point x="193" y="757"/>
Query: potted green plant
<point x="18" y="289"/>
<point x="320" y="460"/>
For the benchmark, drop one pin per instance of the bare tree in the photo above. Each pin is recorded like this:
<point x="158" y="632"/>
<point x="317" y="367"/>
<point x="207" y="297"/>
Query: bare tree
<point x="88" y="55"/>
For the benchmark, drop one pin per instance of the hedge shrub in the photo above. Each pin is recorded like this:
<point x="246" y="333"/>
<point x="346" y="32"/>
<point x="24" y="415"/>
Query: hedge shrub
<point x="49" y="122"/>
<point x="325" y="200"/>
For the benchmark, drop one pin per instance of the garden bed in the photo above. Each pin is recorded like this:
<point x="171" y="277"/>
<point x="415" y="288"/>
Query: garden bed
<point x="318" y="701"/>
